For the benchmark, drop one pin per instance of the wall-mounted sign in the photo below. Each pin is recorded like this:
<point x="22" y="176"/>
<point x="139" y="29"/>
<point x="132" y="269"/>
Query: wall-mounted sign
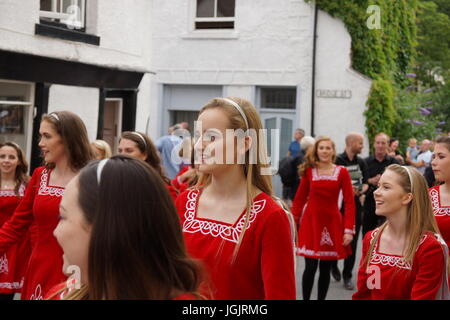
<point x="340" y="94"/>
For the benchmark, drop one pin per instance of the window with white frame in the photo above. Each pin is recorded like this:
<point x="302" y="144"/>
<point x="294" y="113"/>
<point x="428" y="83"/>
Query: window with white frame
<point x="215" y="14"/>
<point x="70" y="13"/>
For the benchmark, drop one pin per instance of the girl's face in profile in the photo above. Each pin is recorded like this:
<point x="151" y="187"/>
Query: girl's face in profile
<point x="441" y="162"/>
<point x="390" y="197"/>
<point x="211" y="143"/>
<point x="73" y="233"/>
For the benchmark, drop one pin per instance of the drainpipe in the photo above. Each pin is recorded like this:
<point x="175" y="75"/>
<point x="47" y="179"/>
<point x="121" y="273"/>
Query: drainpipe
<point x="313" y="85"/>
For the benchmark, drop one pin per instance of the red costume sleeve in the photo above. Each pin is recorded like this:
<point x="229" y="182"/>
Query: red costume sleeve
<point x="349" y="202"/>
<point x="277" y="258"/>
<point x="16" y="227"/>
<point x="430" y="259"/>
<point x="301" y="197"/>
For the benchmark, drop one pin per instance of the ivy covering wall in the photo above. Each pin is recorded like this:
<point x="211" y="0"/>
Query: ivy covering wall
<point x="385" y="54"/>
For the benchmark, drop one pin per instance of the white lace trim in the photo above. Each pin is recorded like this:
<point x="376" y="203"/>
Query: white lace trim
<point x="437" y="210"/>
<point x="313" y="253"/>
<point x="11" y="193"/>
<point x="389" y="260"/>
<point x="333" y="177"/>
<point x="217" y="229"/>
<point x="45" y="190"/>
<point x="11" y="285"/>
<point x="4" y="265"/>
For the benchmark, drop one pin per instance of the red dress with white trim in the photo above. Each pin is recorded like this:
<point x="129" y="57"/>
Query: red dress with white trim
<point x="390" y="277"/>
<point x="41" y="205"/>
<point x="441" y="213"/>
<point x="316" y="210"/>
<point x="13" y="262"/>
<point x="264" y="265"/>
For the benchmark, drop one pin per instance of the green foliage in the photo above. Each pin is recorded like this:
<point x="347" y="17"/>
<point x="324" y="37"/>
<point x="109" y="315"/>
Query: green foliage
<point x="434" y="42"/>
<point x="385" y="55"/>
<point x="419" y="115"/>
<point x="380" y="114"/>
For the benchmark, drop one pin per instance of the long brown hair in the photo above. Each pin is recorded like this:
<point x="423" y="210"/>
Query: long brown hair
<point x="148" y="148"/>
<point x="420" y="217"/>
<point x="74" y="137"/>
<point x="252" y="171"/>
<point x="20" y="176"/>
<point x="312" y="158"/>
<point x="136" y="249"/>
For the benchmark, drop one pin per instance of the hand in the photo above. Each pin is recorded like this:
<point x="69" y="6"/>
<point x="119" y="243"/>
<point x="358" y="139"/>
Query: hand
<point x="187" y="175"/>
<point x="374" y="180"/>
<point x="356" y="191"/>
<point x="348" y="238"/>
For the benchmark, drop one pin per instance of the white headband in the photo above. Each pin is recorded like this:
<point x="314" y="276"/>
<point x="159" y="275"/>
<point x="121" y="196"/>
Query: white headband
<point x="410" y="177"/>
<point x="140" y="136"/>
<point x="100" y="166"/>
<point x="54" y="115"/>
<point x="238" y="107"/>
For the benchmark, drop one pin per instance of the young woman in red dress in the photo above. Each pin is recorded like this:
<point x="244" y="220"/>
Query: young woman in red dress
<point x="65" y="147"/>
<point x="13" y="180"/>
<point x="440" y="194"/>
<point x="323" y="236"/>
<point x="405" y="258"/>
<point x="138" y="145"/>
<point x="230" y="220"/>
<point x="120" y="228"/>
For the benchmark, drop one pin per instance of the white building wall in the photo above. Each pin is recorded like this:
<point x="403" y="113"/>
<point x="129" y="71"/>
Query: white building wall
<point x="270" y="46"/>
<point x="124" y="33"/>
<point x="335" y="117"/>
<point x="82" y="101"/>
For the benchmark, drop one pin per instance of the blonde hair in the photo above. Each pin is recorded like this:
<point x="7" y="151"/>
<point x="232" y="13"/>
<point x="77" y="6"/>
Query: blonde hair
<point x="104" y="147"/>
<point x="312" y="158"/>
<point x="420" y="216"/>
<point x="252" y="171"/>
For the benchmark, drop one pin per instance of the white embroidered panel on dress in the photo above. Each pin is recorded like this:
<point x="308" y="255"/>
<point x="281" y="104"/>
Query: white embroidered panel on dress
<point x="388" y="260"/>
<point x="11" y="193"/>
<point x="334" y="177"/>
<point x="216" y="229"/>
<point x="44" y="190"/>
<point x="438" y="211"/>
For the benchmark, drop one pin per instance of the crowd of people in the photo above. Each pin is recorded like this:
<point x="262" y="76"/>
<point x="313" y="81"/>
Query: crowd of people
<point x="175" y="219"/>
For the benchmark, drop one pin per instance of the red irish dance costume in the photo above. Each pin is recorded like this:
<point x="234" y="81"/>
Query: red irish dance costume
<point x="14" y="261"/>
<point x="390" y="277"/>
<point x="441" y="213"/>
<point x="316" y="210"/>
<point x="264" y="265"/>
<point x="41" y="206"/>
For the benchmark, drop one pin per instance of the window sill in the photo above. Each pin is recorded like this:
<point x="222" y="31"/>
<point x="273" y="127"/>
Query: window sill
<point x="66" y="34"/>
<point x="211" y="34"/>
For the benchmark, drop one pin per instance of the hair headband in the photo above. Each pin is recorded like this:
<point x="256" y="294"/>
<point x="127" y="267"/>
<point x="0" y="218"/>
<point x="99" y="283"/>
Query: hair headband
<point x="410" y="177"/>
<point x="100" y="166"/>
<point x="54" y="115"/>
<point x="140" y="136"/>
<point x="238" y="107"/>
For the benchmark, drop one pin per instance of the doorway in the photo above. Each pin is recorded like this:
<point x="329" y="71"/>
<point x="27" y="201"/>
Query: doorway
<point x="112" y="122"/>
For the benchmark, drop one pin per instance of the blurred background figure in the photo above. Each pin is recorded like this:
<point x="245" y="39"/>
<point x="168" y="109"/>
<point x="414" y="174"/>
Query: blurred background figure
<point x="165" y="146"/>
<point x="101" y="149"/>
<point x="424" y="157"/>
<point x="394" y="150"/>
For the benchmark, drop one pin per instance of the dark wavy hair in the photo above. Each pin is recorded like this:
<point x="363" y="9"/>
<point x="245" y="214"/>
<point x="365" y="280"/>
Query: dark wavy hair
<point x="74" y="137"/>
<point x="136" y="249"/>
